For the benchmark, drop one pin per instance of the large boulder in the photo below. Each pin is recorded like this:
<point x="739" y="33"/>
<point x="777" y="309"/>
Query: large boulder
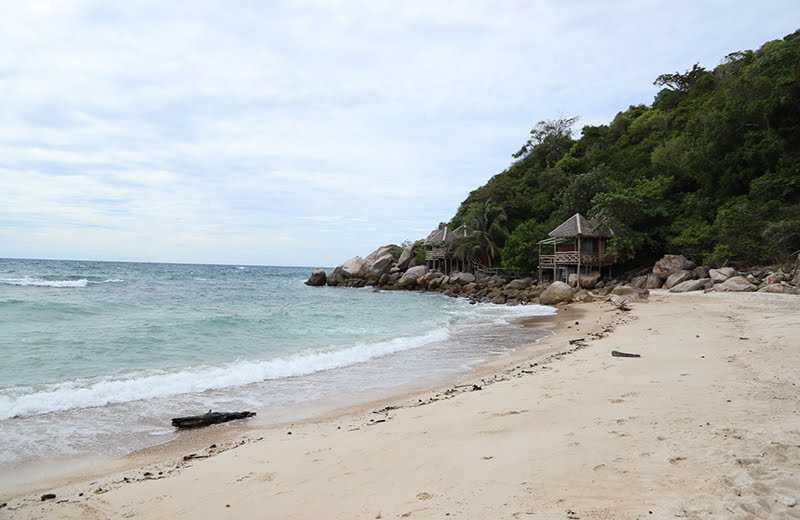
<point x="405" y="258"/>
<point x="380" y="252"/>
<point x="735" y="284"/>
<point x="462" y="278"/>
<point x="317" y="278"/>
<point x="410" y="277"/>
<point x="382" y="265"/>
<point x="519" y="284"/>
<point x="557" y="292"/>
<point x="337" y="277"/>
<point x="670" y="264"/>
<point x="356" y="267"/>
<point x="676" y="278"/>
<point x="700" y="272"/>
<point x="588" y="281"/>
<point x="721" y="274"/>
<point x="692" y="285"/>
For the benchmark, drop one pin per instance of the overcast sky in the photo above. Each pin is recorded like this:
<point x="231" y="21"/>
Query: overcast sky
<point x="304" y="133"/>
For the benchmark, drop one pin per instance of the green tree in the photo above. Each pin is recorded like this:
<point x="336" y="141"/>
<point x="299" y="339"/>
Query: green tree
<point x="487" y="234"/>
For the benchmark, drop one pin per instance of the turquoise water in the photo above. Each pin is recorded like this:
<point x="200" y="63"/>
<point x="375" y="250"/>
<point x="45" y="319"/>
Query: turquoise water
<point x="97" y="356"/>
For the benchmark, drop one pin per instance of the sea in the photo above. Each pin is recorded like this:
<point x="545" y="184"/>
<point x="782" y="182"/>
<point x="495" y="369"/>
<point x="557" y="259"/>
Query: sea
<point x="97" y="357"/>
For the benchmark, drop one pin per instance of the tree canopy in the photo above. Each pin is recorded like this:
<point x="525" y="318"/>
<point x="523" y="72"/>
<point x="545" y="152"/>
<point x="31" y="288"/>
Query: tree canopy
<point x="711" y="169"/>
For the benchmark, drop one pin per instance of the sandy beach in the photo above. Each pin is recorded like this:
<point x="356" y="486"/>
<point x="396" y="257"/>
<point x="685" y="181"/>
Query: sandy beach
<point x="705" y="424"/>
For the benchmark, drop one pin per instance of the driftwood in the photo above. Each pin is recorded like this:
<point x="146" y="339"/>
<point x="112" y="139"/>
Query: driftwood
<point x="617" y="353"/>
<point x="195" y="421"/>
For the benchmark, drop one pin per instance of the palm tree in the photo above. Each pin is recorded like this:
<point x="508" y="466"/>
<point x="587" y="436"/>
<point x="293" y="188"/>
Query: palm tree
<point x="487" y="233"/>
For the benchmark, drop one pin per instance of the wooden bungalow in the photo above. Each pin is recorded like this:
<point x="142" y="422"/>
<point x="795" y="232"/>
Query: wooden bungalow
<point x="440" y="252"/>
<point x="578" y="244"/>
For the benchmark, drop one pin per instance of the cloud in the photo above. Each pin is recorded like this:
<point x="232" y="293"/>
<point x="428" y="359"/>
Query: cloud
<point x="306" y="133"/>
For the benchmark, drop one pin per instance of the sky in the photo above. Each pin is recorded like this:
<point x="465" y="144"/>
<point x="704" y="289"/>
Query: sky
<point x="305" y="133"/>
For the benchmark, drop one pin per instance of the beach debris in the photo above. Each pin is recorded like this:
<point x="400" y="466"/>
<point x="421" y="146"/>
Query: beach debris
<point x="48" y="496"/>
<point x="572" y="515"/>
<point x="196" y="421"/>
<point x="574" y="341"/>
<point x="787" y="501"/>
<point x="617" y="353"/>
<point x="192" y="456"/>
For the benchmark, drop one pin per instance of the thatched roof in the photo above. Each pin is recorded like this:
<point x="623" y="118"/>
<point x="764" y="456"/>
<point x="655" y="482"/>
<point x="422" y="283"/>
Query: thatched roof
<point x="444" y="235"/>
<point x="579" y="226"/>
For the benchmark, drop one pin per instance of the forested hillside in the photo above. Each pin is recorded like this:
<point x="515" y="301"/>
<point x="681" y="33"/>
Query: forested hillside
<point x="710" y="170"/>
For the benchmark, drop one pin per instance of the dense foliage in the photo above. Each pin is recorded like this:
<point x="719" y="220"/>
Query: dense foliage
<point x="710" y="170"/>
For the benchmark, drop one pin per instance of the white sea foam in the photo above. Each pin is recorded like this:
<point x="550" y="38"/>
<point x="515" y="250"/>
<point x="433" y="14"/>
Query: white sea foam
<point x="84" y="394"/>
<point x="38" y="282"/>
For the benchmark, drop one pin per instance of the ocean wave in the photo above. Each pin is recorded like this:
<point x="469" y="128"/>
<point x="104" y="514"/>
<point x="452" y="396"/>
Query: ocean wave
<point x="25" y="401"/>
<point x="39" y="282"/>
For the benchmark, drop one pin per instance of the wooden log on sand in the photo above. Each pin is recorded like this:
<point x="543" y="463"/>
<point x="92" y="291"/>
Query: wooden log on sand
<point x="195" y="421"/>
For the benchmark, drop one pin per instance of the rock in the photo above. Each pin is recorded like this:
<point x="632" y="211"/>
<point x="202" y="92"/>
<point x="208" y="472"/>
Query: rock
<point x="649" y="281"/>
<point x="787" y="501"/>
<point x="519" y="283"/>
<point x="670" y="264"/>
<point x="336" y="277"/>
<point x="630" y="294"/>
<point x="588" y="281"/>
<point x="557" y="292"/>
<point x="778" y="288"/>
<point x="735" y="284"/>
<point x="692" y="285"/>
<point x="382" y="265"/>
<point x="700" y="272"/>
<point x="638" y="282"/>
<point x="462" y="278"/>
<point x="317" y="278"/>
<point x="774" y="278"/>
<point x="721" y="274"/>
<point x="405" y="258"/>
<point x="676" y="278"/>
<point x="356" y="267"/>
<point x="409" y="278"/>
<point x="381" y="252"/>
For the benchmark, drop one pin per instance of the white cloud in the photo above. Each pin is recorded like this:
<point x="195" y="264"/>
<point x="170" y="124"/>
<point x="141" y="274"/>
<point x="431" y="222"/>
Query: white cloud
<point x="305" y="134"/>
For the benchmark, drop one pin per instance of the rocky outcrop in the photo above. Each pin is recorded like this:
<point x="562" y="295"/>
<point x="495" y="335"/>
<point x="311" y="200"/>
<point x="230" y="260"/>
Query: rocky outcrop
<point x="557" y="292"/>
<point x="670" y="264"/>
<point x="317" y="278"/>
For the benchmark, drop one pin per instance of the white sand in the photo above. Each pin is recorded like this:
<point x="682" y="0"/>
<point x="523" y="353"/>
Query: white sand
<point x="704" y="425"/>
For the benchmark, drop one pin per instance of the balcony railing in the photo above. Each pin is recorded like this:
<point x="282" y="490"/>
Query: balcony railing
<point x="572" y="257"/>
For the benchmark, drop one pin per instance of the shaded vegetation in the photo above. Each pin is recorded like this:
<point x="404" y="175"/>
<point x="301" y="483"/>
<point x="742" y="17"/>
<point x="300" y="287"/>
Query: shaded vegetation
<point x="710" y="170"/>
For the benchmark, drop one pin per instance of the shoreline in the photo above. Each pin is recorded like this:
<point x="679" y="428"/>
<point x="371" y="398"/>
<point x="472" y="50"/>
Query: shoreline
<point x="54" y="472"/>
<point x="577" y="430"/>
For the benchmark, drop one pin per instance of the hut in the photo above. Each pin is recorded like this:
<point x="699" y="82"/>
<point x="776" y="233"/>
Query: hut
<point x="440" y="251"/>
<point x="578" y="244"/>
